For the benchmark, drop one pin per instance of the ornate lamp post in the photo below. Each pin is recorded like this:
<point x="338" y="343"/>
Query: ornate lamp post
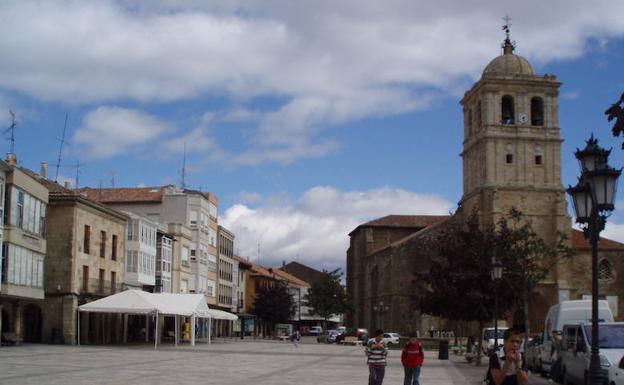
<point x="593" y="198"/>
<point x="496" y="274"/>
<point x="380" y="309"/>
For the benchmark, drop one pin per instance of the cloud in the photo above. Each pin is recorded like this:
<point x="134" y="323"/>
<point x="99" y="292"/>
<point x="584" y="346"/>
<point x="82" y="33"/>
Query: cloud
<point x="614" y="231"/>
<point x="320" y="64"/>
<point x="110" y="131"/>
<point x="315" y="227"/>
<point x="246" y="197"/>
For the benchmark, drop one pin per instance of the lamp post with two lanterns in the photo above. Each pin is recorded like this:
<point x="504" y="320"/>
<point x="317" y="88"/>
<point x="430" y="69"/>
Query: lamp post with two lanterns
<point x="593" y="198"/>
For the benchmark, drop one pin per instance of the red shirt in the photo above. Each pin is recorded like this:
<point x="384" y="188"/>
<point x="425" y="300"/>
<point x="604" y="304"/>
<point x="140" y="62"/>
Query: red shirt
<point x="412" y="355"/>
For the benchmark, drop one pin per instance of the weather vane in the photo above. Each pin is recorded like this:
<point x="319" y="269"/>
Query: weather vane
<point x="507" y="29"/>
<point x="616" y="111"/>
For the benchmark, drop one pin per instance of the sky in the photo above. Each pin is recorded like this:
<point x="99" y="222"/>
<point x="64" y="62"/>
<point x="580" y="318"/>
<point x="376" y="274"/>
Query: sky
<point x="306" y="119"/>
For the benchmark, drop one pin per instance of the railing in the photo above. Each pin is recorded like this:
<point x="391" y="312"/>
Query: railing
<point x="99" y="287"/>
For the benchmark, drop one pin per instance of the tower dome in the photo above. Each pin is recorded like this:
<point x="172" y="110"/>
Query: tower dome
<point x="508" y="63"/>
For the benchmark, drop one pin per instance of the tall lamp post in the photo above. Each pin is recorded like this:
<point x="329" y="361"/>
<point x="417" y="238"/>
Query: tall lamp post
<point x="497" y="274"/>
<point x="593" y="199"/>
<point x="380" y="310"/>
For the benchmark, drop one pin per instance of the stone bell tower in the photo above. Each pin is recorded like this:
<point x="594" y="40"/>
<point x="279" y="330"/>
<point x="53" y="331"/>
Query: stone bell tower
<point x="512" y="146"/>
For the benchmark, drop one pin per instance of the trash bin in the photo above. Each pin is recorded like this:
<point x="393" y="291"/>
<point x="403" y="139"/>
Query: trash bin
<point x="443" y="348"/>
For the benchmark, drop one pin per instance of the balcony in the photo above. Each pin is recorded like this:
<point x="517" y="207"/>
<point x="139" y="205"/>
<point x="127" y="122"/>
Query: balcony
<point x="100" y="288"/>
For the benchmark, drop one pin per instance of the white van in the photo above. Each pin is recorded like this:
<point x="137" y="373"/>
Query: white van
<point x="566" y="312"/>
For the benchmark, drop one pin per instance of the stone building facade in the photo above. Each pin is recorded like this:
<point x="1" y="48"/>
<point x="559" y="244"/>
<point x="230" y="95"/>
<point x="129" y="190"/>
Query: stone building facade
<point x="511" y="158"/>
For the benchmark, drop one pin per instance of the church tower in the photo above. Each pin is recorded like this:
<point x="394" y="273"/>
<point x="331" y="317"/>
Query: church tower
<point x="512" y="146"/>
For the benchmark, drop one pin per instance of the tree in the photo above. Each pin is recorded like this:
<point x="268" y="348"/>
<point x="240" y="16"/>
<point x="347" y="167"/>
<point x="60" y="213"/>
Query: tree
<point x="457" y="285"/>
<point x="326" y="296"/>
<point x="527" y="260"/>
<point x="273" y="304"/>
<point x="617" y="112"/>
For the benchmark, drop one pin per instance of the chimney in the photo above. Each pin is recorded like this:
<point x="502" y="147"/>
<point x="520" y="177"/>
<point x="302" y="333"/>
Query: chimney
<point x="67" y="185"/>
<point x="11" y="159"/>
<point x="44" y="170"/>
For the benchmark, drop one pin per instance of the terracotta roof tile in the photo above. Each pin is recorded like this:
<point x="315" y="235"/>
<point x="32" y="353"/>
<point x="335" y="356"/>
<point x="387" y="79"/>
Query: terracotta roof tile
<point x="579" y="242"/>
<point x="125" y="194"/>
<point x="289" y="277"/>
<point x="415" y="221"/>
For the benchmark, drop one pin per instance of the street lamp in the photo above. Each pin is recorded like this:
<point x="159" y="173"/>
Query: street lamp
<point x="497" y="274"/>
<point x="380" y="309"/>
<point x="593" y="199"/>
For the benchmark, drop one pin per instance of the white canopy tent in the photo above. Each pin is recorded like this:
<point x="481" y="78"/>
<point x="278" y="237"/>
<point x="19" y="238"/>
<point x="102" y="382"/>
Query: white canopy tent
<point x="160" y="304"/>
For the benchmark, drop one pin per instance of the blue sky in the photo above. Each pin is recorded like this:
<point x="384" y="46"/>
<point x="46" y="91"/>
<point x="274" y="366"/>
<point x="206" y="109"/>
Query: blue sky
<point x="305" y="120"/>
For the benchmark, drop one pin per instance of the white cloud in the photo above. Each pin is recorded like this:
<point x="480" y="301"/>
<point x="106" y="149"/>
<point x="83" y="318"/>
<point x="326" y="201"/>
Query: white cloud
<point x="323" y="62"/>
<point x="110" y="131"/>
<point x="315" y="227"/>
<point x="614" y="231"/>
<point x="247" y="197"/>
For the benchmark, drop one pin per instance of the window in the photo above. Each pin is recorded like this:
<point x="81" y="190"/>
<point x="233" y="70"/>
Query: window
<point x="605" y="271"/>
<point x="537" y="111"/>
<point x="87" y="239"/>
<point x="509" y="158"/>
<point x="27" y="212"/>
<point x="102" y="244"/>
<point x="210" y="288"/>
<point x="183" y="286"/>
<point x="507" y="110"/>
<point x="113" y="282"/>
<point x="101" y="281"/>
<point x="85" y="278"/>
<point x="193" y="218"/>
<point x="212" y="263"/>
<point x="538" y="159"/>
<point x="185" y="255"/>
<point x="114" y="248"/>
<point x="132" y="261"/>
<point x="1" y="200"/>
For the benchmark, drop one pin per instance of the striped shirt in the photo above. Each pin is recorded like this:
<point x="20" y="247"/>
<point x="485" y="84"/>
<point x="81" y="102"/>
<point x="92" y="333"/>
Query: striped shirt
<point x="376" y="353"/>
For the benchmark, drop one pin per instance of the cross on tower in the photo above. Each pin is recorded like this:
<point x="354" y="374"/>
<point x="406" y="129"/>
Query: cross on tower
<point x="507" y="25"/>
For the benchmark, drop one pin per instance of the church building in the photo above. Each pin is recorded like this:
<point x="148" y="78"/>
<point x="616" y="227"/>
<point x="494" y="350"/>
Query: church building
<point x="511" y="159"/>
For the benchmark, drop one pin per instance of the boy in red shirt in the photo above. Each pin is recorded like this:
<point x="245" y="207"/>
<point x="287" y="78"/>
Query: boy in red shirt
<point x="412" y="359"/>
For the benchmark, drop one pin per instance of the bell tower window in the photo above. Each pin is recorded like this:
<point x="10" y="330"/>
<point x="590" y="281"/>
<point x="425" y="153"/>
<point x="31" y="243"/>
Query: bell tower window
<point x="537" y="111"/>
<point x="507" y="110"/>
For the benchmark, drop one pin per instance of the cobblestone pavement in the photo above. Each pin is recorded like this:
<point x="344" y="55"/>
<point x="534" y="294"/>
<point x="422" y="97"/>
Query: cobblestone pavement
<point x="225" y="362"/>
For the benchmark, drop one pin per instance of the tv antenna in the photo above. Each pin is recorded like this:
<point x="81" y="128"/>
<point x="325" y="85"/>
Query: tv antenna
<point x="11" y="129"/>
<point x="183" y="170"/>
<point x="60" y="156"/>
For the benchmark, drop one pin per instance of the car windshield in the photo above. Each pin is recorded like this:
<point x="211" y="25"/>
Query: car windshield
<point x="610" y="336"/>
<point x="489" y="334"/>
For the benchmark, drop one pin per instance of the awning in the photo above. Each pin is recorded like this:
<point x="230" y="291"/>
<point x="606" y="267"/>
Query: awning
<point x="220" y="314"/>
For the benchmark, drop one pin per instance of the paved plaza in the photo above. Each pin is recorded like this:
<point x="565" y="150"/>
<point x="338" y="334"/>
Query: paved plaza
<point x="230" y="361"/>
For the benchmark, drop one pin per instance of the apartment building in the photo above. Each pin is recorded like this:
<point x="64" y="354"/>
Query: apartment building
<point x="84" y="262"/>
<point x="141" y="245"/>
<point x="24" y="211"/>
<point x="194" y="209"/>
<point x="181" y="272"/>
<point x="226" y="291"/>
<point x="164" y="260"/>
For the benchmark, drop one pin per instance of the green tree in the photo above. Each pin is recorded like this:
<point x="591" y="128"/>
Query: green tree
<point x="273" y="304"/>
<point x="527" y="260"/>
<point x="326" y="296"/>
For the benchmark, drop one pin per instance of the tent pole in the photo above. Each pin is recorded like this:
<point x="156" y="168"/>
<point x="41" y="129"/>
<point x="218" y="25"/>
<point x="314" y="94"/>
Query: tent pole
<point x="192" y="330"/>
<point x="209" y="330"/>
<point x="156" y="332"/>
<point x="146" y="328"/>
<point x="78" y="311"/>
<point x="175" y="334"/>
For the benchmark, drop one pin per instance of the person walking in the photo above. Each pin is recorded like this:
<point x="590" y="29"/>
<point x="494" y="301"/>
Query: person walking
<point x="296" y="337"/>
<point x="412" y="358"/>
<point x="376" y="353"/>
<point x="506" y="365"/>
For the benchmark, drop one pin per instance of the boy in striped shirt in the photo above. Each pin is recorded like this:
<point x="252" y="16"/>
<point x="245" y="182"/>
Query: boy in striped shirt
<point x="376" y="352"/>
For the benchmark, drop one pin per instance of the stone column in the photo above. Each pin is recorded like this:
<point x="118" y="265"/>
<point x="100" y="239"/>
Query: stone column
<point x="17" y="321"/>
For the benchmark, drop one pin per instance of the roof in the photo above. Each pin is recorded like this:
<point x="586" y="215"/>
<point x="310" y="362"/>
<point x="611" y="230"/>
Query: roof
<point x="289" y="277"/>
<point x="273" y="273"/>
<point x="579" y="242"/>
<point x="241" y="260"/>
<point x="414" y="221"/>
<point x="301" y="271"/>
<point x="125" y="194"/>
<point x="508" y="64"/>
<point x="56" y="192"/>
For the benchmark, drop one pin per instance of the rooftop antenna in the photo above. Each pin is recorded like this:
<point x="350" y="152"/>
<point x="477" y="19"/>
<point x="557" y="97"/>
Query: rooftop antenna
<point x="113" y="179"/>
<point x="12" y="130"/>
<point x="77" y="173"/>
<point x="58" y="163"/>
<point x="183" y="171"/>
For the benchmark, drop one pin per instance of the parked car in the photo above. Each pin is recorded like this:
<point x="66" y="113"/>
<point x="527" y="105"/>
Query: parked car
<point x="487" y="335"/>
<point x="391" y="338"/>
<point x="576" y="349"/>
<point x="616" y="373"/>
<point x="360" y="333"/>
<point x="532" y="353"/>
<point x="565" y="312"/>
<point x="331" y="336"/>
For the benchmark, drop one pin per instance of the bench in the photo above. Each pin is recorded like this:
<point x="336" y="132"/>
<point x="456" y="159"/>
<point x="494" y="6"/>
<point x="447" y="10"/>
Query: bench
<point x="353" y="341"/>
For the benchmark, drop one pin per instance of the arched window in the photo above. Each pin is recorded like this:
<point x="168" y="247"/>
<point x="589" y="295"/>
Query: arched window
<point x="507" y="110"/>
<point x="605" y="271"/>
<point x="539" y="157"/>
<point x="537" y="111"/>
